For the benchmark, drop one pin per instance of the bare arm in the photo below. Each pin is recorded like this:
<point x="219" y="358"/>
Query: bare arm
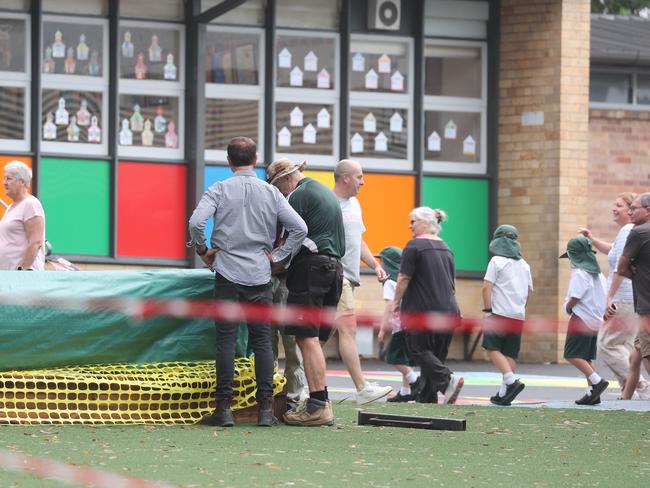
<point x="570" y="304"/>
<point x="624" y="267"/>
<point x="385" y="320"/>
<point x="402" y="284"/>
<point x="371" y="262"/>
<point x="34" y="228"/>
<point x="599" y="244"/>
<point x="486" y="292"/>
<point x="617" y="279"/>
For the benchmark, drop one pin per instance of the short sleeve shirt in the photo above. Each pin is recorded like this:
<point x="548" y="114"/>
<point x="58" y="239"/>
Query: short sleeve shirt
<point x="390" y="286"/>
<point x="354" y="229"/>
<point x="511" y="281"/>
<point x="624" y="292"/>
<point x="591" y="291"/>
<point x="13" y="237"/>
<point x="430" y="265"/>
<point x="637" y="250"/>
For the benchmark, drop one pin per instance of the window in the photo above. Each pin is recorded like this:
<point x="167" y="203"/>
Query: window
<point x="14" y="82"/>
<point x="643" y="89"/>
<point x="316" y="14"/>
<point x="77" y="7"/>
<point x="74" y="87"/>
<point x="234" y="89"/>
<point x="151" y="91"/>
<point x="610" y="87"/>
<point x="455" y="107"/>
<point x="381" y="110"/>
<point x="159" y="10"/>
<point x="250" y="13"/>
<point x="307" y="97"/>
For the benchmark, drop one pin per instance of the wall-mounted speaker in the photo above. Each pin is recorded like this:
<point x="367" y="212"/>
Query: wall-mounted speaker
<point x="384" y="14"/>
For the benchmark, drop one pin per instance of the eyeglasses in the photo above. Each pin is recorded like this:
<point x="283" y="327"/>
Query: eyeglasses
<point x="634" y="207"/>
<point x="413" y="221"/>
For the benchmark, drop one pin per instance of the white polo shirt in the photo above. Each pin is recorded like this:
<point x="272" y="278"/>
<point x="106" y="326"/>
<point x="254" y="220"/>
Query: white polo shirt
<point x="511" y="280"/>
<point x="591" y="291"/>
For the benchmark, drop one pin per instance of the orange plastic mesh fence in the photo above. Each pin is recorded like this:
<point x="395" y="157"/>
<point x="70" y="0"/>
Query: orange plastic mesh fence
<point x="152" y="393"/>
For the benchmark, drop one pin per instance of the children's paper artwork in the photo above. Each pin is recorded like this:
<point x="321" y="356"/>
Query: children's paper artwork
<point x="83" y="115"/>
<point x="381" y="142"/>
<point x="296" y="117"/>
<point x="58" y="46"/>
<point x="397" y="81"/>
<point x="372" y="80"/>
<point x="127" y="46"/>
<point x="155" y="51"/>
<point x="383" y="64"/>
<point x="284" y="58"/>
<point x="61" y="116"/>
<point x="73" y="130"/>
<point x="323" y="80"/>
<point x="311" y="61"/>
<point x="94" y="132"/>
<point x="171" y="138"/>
<point x="396" y="122"/>
<point x="469" y="146"/>
<point x="49" y="65"/>
<point x="370" y="123"/>
<point x="170" y="68"/>
<point x="147" y="134"/>
<point x="295" y="77"/>
<point x="137" y="121"/>
<point x="140" y="68"/>
<point x="160" y="122"/>
<point x="70" y="64"/>
<point x="49" y="128"/>
<point x="356" y="143"/>
<point x="284" y="137"/>
<point x="323" y="119"/>
<point x="93" y="66"/>
<point x="82" y="48"/>
<point x="450" y="130"/>
<point x="309" y="134"/>
<point x="126" y="136"/>
<point x="359" y="62"/>
<point x="433" y="142"/>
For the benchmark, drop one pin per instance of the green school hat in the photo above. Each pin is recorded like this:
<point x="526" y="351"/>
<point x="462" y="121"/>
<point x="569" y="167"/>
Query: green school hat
<point x="581" y="254"/>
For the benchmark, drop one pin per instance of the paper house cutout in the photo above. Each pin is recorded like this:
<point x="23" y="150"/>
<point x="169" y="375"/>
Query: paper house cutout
<point x="369" y="123"/>
<point x="309" y="134"/>
<point x="371" y="79"/>
<point x="381" y="142"/>
<point x="94" y="132"/>
<point x="323" y="119"/>
<point x="433" y="141"/>
<point x="323" y="79"/>
<point x="450" y="130"/>
<point x="295" y="79"/>
<point x="356" y="143"/>
<point x="358" y="62"/>
<point x="383" y="64"/>
<point x="469" y="146"/>
<point x="296" y="117"/>
<point x="397" y="81"/>
<point x="284" y="137"/>
<point x="396" y="122"/>
<point x="311" y="61"/>
<point x="126" y="136"/>
<point x="284" y="58"/>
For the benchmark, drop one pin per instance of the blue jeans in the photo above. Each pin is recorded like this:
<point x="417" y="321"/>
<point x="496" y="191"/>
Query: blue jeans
<point x="259" y="336"/>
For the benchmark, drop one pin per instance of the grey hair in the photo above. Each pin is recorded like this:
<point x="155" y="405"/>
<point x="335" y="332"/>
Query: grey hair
<point x="20" y="170"/>
<point x="433" y="217"/>
<point x="644" y="198"/>
<point x="344" y="167"/>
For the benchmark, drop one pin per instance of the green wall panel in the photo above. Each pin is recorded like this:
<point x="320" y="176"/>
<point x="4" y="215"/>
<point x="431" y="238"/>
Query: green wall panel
<point x="467" y="206"/>
<point x="76" y="197"/>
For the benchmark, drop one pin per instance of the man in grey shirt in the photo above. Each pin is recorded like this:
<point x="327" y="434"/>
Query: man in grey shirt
<point x="246" y="214"/>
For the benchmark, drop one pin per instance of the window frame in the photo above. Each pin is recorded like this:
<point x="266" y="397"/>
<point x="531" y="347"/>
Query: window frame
<point x="633" y="73"/>
<point x="319" y="96"/>
<point x="369" y="99"/>
<point x="165" y="88"/>
<point x="437" y="103"/>
<point x="230" y="91"/>
<point x="13" y="79"/>
<point x="77" y="83"/>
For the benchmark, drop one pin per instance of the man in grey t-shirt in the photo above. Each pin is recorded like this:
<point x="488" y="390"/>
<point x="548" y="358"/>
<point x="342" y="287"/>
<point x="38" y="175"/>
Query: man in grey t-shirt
<point x="348" y="179"/>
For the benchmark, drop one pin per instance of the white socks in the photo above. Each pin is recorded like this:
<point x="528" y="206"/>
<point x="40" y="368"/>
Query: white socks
<point x="412" y="376"/>
<point x="594" y="378"/>
<point x="405" y="390"/>
<point x="508" y="379"/>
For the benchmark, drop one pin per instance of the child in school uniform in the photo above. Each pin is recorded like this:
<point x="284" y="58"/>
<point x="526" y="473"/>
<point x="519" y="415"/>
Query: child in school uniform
<point x="396" y="353"/>
<point x="506" y="286"/>
<point x="585" y="302"/>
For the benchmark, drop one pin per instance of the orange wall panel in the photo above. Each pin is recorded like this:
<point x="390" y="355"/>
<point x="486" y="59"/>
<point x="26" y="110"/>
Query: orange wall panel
<point x="4" y="160"/>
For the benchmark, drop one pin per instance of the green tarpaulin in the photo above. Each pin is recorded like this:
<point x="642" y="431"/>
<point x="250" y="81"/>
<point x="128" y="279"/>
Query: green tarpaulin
<point x="32" y="338"/>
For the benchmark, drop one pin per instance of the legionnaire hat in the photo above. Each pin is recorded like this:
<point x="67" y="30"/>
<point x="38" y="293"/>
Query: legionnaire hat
<point x="282" y="167"/>
<point x="581" y="254"/>
<point x="391" y="257"/>
<point x="505" y="242"/>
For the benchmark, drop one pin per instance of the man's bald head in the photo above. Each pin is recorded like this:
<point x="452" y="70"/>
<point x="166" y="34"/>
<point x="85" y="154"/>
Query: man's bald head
<point x="348" y="178"/>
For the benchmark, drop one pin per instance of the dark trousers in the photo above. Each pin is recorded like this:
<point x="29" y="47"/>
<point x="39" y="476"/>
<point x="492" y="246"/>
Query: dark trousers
<point x="259" y="337"/>
<point x="429" y="351"/>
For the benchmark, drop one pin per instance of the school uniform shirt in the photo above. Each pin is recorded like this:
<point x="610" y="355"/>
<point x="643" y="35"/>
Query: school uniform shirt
<point x="389" y="294"/>
<point x="591" y="291"/>
<point x="511" y="280"/>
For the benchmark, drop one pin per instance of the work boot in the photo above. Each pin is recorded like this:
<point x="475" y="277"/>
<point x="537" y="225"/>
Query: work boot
<point x="316" y="412"/>
<point x="222" y="415"/>
<point x="265" y="417"/>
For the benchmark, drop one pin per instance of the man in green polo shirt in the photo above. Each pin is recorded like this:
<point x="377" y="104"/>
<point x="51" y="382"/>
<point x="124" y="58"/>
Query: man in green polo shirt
<point x="314" y="277"/>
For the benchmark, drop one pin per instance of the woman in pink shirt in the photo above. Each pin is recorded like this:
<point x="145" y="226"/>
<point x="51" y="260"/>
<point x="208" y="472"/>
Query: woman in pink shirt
<point x="22" y="227"/>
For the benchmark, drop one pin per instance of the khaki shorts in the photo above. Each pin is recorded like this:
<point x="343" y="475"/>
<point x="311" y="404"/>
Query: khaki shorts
<point x="346" y="302"/>
<point x="642" y="342"/>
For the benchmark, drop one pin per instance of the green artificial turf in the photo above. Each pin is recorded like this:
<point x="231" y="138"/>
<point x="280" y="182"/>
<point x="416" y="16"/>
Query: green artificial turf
<point x="501" y="447"/>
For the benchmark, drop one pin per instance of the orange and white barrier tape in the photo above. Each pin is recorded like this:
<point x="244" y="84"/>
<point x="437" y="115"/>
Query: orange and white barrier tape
<point x="49" y="469"/>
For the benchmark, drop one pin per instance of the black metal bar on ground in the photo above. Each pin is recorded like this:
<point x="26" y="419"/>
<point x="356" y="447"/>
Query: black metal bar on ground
<point x="413" y="422"/>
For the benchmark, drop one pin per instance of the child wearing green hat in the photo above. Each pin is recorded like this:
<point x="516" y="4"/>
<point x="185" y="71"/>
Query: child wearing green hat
<point x="396" y="354"/>
<point x="506" y="286"/>
<point x="585" y="302"/>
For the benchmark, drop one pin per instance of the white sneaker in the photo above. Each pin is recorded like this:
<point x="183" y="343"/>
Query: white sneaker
<point x="644" y="394"/>
<point x="453" y="389"/>
<point x="371" y="392"/>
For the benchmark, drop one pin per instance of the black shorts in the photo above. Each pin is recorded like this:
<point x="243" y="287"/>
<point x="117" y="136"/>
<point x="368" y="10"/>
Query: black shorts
<point x="581" y="341"/>
<point x="313" y="280"/>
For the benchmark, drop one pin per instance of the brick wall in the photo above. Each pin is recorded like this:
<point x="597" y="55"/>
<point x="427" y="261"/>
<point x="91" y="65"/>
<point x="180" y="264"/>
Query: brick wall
<point x="542" y="168"/>
<point x="619" y="160"/>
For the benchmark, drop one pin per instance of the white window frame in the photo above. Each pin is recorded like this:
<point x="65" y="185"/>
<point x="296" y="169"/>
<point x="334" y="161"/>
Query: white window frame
<point x="13" y="79"/>
<point x="370" y="99"/>
<point x="230" y="91"/>
<point x="77" y="83"/>
<point x="165" y="88"/>
<point x="633" y="106"/>
<point x="318" y="96"/>
<point x="435" y="103"/>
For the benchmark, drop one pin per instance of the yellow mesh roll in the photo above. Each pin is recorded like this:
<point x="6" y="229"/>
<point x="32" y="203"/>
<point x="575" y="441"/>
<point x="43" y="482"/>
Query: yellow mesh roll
<point x="152" y="393"/>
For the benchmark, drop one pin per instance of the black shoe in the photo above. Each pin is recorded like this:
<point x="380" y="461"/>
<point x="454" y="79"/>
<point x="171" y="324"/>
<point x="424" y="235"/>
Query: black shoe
<point x="496" y="399"/>
<point x="588" y="399"/>
<point x="221" y="417"/>
<point x="512" y="391"/>
<point x="597" y="390"/>
<point x="265" y="417"/>
<point x="399" y="398"/>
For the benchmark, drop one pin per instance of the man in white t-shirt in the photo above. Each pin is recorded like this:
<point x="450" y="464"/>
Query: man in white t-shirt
<point x="506" y="286"/>
<point x="348" y="179"/>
